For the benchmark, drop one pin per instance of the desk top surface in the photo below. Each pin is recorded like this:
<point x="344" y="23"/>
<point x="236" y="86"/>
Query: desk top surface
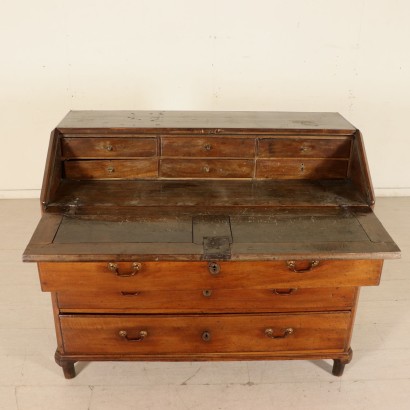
<point x="219" y="120"/>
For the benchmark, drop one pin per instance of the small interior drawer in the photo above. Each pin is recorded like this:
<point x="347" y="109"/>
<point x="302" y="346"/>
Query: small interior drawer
<point x="204" y="334"/>
<point x="206" y="168"/>
<point x="287" y="168"/>
<point x="208" y="147"/>
<point x="108" y="147"/>
<point x="111" y="169"/>
<point x="304" y="148"/>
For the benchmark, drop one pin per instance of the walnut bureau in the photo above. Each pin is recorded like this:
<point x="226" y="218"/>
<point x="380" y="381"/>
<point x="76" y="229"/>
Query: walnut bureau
<point x="206" y="236"/>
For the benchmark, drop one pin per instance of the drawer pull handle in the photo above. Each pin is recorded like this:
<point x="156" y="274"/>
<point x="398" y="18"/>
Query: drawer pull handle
<point x="206" y="169"/>
<point x="108" y="147"/>
<point x="292" y="266"/>
<point x="284" y="292"/>
<point x="141" y="336"/>
<point x="214" y="268"/>
<point x="113" y="267"/>
<point x="110" y="170"/>
<point x="206" y="336"/>
<point x="207" y="147"/>
<point x="129" y="293"/>
<point x="286" y="333"/>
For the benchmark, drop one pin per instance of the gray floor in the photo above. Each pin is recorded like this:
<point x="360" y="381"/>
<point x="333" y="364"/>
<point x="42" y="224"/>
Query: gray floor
<point x="377" y="378"/>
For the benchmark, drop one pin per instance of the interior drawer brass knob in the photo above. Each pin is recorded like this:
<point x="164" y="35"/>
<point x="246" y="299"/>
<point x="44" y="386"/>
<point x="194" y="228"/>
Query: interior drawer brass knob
<point x="141" y="336"/>
<point x="206" y="336"/>
<point x="270" y="333"/>
<point x="292" y="266"/>
<point x="135" y="267"/>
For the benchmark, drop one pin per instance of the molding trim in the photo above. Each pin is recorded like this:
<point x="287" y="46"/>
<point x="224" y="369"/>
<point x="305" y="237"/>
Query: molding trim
<point x="35" y="193"/>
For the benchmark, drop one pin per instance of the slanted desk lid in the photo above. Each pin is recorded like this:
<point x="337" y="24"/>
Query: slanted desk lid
<point x="298" y="233"/>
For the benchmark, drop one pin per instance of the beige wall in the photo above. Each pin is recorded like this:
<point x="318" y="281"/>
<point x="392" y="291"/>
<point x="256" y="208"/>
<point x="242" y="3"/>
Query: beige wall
<point x="350" y="56"/>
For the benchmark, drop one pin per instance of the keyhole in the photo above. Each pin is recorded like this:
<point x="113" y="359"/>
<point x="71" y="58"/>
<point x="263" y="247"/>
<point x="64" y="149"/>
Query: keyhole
<point x="214" y="268"/>
<point x="206" y="336"/>
<point x="302" y="167"/>
<point x="207" y="293"/>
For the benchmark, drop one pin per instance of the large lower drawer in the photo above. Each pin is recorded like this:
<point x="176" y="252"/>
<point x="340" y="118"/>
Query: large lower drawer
<point x="204" y="334"/>
<point x="129" y="276"/>
<point x="208" y="300"/>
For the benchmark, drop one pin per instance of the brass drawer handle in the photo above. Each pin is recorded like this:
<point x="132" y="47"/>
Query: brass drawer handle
<point x="207" y="147"/>
<point x="110" y="170"/>
<point x="214" y="268"/>
<point x="108" y="147"/>
<point x="206" y="169"/>
<point x="129" y="293"/>
<point x="284" y="292"/>
<point x="292" y="266"/>
<point x="113" y="267"/>
<point x="141" y="336"/>
<point x="286" y="333"/>
<point x="206" y="336"/>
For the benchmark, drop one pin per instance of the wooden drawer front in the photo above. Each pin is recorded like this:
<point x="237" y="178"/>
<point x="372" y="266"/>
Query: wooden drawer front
<point x="208" y="147"/>
<point x="301" y="168"/>
<point x="186" y="334"/>
<point x="107" y="169"/>
<point x="304" y="148"/>
<point x="209" y="300"/>
<point x="90" y="276"/>
<point x="207" y="168"/>
<point x="108" y="147"/>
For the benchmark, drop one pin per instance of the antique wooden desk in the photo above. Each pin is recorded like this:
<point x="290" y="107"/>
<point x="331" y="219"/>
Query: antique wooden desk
<point x="206" y="236"/>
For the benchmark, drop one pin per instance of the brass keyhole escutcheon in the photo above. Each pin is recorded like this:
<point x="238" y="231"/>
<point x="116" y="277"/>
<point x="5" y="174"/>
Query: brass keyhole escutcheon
<point x="207" y="293"/>
<point x="207" y="147"/>
<point x="206" y="169"/>
<point x="108" y="147"/>
<point x="206" y="336"/>
<point x="214" y="268"/>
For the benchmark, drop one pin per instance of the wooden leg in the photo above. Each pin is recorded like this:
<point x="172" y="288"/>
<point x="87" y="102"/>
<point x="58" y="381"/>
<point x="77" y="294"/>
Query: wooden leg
<point x="68" y="369"/>
<point x="339" y="364"/>
<point x="67" y="366"/>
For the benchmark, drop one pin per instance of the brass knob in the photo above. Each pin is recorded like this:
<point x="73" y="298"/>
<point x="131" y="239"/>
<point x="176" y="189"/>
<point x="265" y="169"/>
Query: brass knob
<point x="206" y="336"/>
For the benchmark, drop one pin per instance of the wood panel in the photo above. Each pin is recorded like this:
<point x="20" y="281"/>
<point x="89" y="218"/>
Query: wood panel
<point x="304" y="148"/>
<point x="111" y="169"/>
<point x="208" y="147"/>
<point x="284" y="168"/>
<point x="184" y="334"/>
<point x="108" y="147"/>
<point x="208" y="300"/>
<point x="96" y="276"/>
<point x="206" y="168"/>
